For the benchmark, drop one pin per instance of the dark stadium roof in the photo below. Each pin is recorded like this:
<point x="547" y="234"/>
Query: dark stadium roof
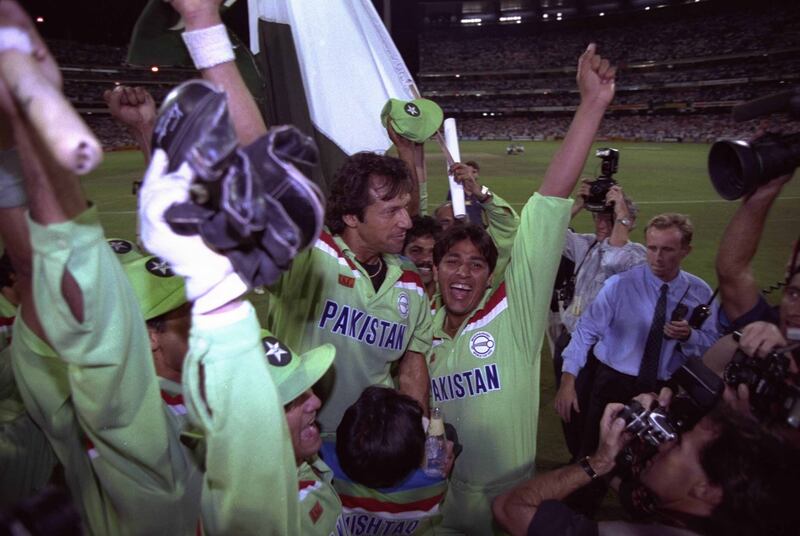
<point x="111" y="21"/>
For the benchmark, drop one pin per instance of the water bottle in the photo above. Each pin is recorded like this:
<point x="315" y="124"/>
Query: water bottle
<point x="435" y="446"/>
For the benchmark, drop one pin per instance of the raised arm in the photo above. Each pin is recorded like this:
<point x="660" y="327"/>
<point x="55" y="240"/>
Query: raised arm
<point x="596" y="83"/>
<point x="211" y="50"/>
<point x="516" y="509"/>
<point x="413" y="155"/>
<point x="738" y="289"/>
<point x="135" y="108"/>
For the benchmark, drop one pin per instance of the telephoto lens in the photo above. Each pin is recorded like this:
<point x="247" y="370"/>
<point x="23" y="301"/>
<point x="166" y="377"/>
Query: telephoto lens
<point x="737" y="167"/>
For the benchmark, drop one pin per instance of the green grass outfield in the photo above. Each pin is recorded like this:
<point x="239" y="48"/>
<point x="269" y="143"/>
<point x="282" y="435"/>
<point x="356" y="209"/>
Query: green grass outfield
<point x="659" y="177"/>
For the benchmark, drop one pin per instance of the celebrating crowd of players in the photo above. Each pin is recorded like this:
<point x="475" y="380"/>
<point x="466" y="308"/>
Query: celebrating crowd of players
<point x="142" y="373"/>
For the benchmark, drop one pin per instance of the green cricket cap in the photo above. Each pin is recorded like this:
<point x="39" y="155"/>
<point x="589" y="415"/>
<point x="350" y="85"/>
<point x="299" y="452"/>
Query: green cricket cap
<point x="157" y="288"/>
<point x="292" y="373"/>
<point x="416" y="120"/>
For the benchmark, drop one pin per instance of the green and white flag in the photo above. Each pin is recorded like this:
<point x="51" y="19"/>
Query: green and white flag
<point x="329" y="66"/>
<point x="325" y="66"/>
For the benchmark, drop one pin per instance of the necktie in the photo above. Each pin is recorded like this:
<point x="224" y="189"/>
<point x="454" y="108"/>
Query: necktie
<point x="648" y="370"/>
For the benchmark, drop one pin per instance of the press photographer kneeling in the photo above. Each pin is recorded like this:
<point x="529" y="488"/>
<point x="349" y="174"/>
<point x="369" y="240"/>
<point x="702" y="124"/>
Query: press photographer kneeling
<point x="726" y="475"/>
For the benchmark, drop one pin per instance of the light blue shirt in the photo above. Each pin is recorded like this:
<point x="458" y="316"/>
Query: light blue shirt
<point x="618" y="321"/>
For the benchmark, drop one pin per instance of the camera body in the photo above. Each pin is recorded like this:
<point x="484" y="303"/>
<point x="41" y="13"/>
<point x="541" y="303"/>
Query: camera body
<point x="698" y="391"/>
<point x="598" y="188"/>
<point x="653" y="426"/>
<point x="566" y="292"/>
<point x="770" y="396"/>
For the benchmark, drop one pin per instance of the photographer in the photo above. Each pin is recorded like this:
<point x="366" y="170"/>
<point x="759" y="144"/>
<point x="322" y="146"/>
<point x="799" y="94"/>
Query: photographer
<point x="596" y="257"/>
<point x="742" y="303"/>
<point x="636" y="354"/>
<point x="726" y="475"/>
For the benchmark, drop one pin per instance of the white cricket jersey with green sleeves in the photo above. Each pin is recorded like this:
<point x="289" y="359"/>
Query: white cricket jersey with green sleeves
<point x="486" y="378"/>
<point x="320" y="506"/>
<point x="250" y="484"/>
<point x="95" y="393"/>
<point x="327" y="296"/>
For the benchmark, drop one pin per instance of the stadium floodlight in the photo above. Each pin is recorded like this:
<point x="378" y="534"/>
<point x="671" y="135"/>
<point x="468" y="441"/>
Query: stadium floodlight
<point x="602" y="13"/>
<point x="154" y="68"/>
<point x="40" y="19"/>
<point x="471" y="21"/>
<point x="647" y="8"/>
<point x="545" y="16"/>
<point x="511" y="18"/>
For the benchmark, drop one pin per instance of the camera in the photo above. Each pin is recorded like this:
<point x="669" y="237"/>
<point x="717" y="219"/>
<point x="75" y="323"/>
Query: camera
<point x="771" y="398"/>
<point x="598" y="188"/>
<point x="698" y="391"/>
<point x="653" y="425"/>
<point x="737" y="167"/>
<point x="566" y="292"/>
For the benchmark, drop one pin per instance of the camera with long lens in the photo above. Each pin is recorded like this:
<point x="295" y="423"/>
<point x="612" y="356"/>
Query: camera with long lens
<point x="598" y="188"/>
<point x="771" y="397"/>
<point x="738" y="167"/>
<point x="698" y="391"/>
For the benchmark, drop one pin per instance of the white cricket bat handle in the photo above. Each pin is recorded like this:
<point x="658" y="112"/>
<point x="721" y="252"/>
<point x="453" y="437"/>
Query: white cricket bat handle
<point x="456" y="189"/>
<point x="59" y="126"/>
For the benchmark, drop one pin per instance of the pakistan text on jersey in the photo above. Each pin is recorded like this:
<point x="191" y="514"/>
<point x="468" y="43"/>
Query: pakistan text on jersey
<point x="358" y="325"/>
<point x="475" y="382"/>
<point x="367" y="525"/>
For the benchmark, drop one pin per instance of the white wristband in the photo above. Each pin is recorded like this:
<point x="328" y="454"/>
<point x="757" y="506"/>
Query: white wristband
<point x="12" y="38"/>
<point x="209" y="47"/>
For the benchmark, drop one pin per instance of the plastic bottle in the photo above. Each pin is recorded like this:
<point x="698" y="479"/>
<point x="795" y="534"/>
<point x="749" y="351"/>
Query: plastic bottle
<point x="435" y="445"/>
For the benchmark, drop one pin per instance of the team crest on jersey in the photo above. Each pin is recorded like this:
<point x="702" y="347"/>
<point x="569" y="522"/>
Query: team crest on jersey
<point x="482" y="345"/>
<point x="276" y="352"/>
<point x="158" y="267"/>
<point x="402" y="304"/>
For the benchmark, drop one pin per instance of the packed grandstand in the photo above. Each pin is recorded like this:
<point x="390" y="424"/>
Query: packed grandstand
<point x="681" y="72"/>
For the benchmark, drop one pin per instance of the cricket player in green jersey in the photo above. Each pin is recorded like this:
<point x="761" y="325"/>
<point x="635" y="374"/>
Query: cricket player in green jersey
<point x="485" y="357"/>
<point x="500" y="219"/>
<point x="86" y="371"/>
<point x="250" y="395"/>
<point x="294" y="376"/>
<point x="353" y="290"/>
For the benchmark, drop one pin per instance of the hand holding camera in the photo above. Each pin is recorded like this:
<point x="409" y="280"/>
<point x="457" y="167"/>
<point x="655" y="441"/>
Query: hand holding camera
<point x="770" y="381"/>
<point x="595" y="200"/>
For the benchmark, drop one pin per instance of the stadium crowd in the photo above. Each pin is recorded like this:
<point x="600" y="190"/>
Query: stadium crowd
<point x="141" y="393"/>
<point x="744" y="30"/>
<point x="677" y="69"/>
